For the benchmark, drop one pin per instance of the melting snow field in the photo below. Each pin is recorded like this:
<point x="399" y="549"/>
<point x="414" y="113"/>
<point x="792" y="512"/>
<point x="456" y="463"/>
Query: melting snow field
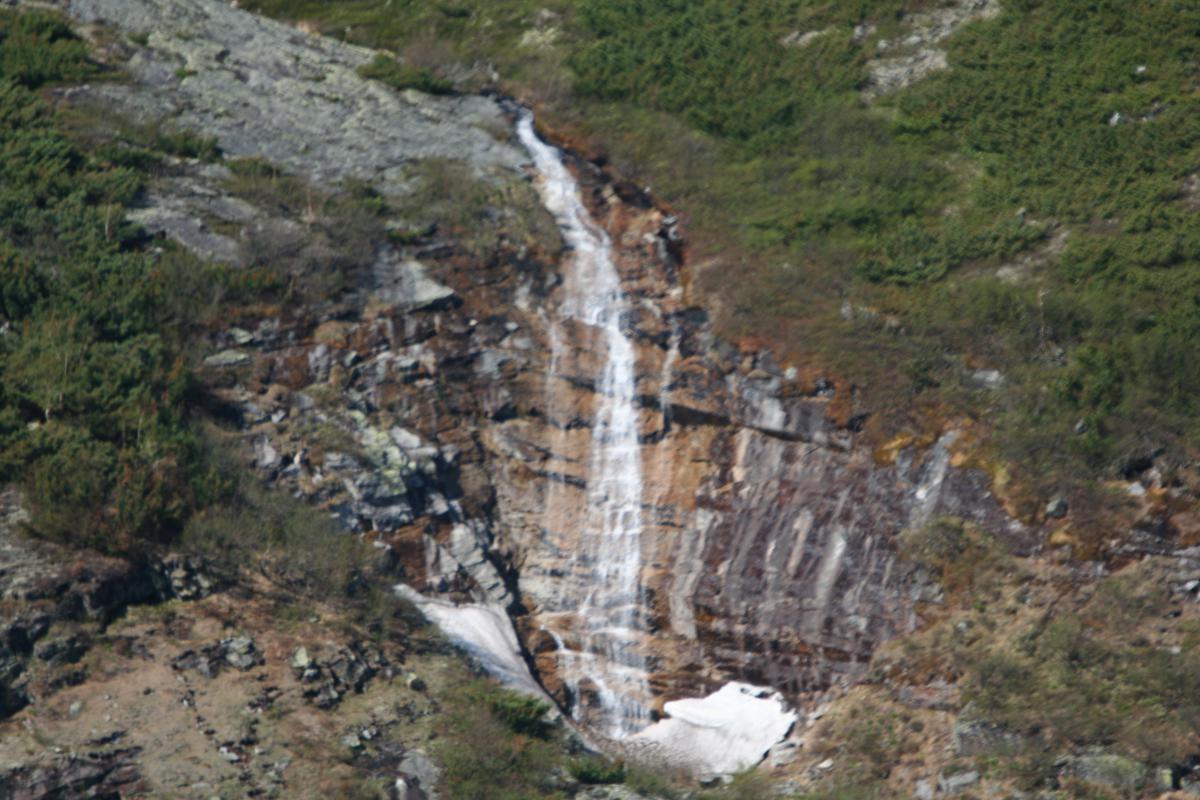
<point x="727" y="732"/>
<point x="484" y="631"/>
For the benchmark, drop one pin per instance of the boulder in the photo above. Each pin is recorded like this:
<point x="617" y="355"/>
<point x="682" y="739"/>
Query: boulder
<point x="973" y="737"/>
<point x="226" y="358"/>
<point x="1057" y="508"/>
<point x="300" y="659"/>
<point x="958" y="782"/>
<point x="1106" y="769"/>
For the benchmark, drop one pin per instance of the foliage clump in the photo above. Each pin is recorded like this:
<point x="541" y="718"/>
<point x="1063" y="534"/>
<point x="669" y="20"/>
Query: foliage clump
<point x="94" y="398"/>
<point x="388" y="70"/>
<point x="39" y="48"/>
<point x="595" y="770"/>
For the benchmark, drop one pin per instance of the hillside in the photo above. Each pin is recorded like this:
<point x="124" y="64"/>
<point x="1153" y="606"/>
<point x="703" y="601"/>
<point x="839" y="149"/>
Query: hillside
<point x="760" y="399"/>
<point x="921" y="194"/>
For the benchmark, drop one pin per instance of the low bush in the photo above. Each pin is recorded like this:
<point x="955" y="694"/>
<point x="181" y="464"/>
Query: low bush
<point x="94" y="405"/>
<point x="388" y="70"/>
<point x="595" y="770"/>
<point x="1093" y="675"/>
<point x="485" y="755"/>
<point x="37" y="48"/>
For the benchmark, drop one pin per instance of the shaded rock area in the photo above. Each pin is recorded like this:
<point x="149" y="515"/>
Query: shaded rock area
<point x="104" y="774"/>
<point x="347" y="670"/>
<point x="147" y="723"/>
<point x="238" y="653"/>
<point x="54" y="602"/>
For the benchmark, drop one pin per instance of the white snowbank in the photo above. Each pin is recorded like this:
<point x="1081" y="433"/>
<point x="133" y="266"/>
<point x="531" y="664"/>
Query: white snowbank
<point x="727" y="732"/>
<point x="484" y="631"/>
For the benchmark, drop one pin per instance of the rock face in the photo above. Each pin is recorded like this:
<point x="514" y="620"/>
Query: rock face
<point x="267" y="90"/>
<point x="55" y="601"/>
<point x="423" y="410"/>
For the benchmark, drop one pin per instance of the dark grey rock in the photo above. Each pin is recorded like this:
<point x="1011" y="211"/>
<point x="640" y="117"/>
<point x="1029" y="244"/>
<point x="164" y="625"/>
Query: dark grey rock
<point x="1057" y="508"/>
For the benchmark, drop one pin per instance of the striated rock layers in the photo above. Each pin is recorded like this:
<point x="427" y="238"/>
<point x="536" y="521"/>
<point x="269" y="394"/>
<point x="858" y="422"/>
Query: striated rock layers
<point x="421" y="408"/>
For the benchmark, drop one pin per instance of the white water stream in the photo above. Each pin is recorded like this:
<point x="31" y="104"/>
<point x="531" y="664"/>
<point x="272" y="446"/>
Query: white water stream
<point x="600" y="634"/>
<point x="608" y="618"/>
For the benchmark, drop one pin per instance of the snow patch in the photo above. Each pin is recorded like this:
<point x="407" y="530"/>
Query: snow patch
<point x="729" y="731"/>
<point x="484" y="631"/>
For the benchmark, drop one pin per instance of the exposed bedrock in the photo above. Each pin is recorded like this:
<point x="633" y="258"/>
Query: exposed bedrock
<point x="421" y="409"/>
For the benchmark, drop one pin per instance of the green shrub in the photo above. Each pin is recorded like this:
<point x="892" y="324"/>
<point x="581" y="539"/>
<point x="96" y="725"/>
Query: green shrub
<point x="186" y="144"/>
<point x="484" y="755"/>
<point x="388" y="70"/>
<point x="37" y="48"/>
<point x="95" y="409"/>
<point x="520" y="712"/>
<point x="597" y="770"/>
<point x="259" y="529"/>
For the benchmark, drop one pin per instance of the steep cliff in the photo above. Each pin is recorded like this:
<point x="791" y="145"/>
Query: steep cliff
<point x="768" y="531"/>
<point x="444" y="399"/>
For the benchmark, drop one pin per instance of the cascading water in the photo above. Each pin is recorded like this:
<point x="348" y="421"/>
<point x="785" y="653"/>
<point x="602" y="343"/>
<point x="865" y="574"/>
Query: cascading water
<point x="604" y="632"/>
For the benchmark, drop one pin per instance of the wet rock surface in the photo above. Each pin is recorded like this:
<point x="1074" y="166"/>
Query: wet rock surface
<point x="416" y="409"/>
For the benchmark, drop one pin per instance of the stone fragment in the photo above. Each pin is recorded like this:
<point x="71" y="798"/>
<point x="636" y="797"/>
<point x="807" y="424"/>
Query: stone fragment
<point x="300" y="659"/>
<point x="226" y="358"/>
<point x="958" y="782"/>
<point x="974" y="737"/>
<point x="1107" y="769"/>
<point x="1057" y="508"/>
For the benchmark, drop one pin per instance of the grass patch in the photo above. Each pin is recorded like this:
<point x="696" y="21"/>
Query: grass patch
<point x="484" y="217"/>
<point x="491" y="745"/>
<point x="1059" y="669"/>
<point x="326" y="255"/>
<point x="595" y="770"/>
<point x="388" y="70"/>
<point x="1096" y="675"/>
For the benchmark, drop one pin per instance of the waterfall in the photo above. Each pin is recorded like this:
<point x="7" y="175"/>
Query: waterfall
<point x="601" y="644"/>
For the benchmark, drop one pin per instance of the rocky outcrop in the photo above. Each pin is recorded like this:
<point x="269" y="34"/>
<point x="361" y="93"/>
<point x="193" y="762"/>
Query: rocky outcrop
<point x="106" y="774"/>
<point x="53" y="601"/>
<point x="416" y="408"/>
<point x="907" y="59"/>
<point x="266" y="90"/>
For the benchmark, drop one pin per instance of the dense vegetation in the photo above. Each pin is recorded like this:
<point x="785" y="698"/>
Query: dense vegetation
<point x="868" y="232"/>
<point x="93" y="400"/>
